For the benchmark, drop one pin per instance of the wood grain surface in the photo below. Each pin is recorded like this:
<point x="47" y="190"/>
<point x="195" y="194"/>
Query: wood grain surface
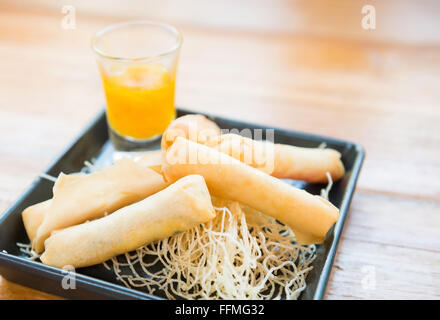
<point x="301" y="65"/>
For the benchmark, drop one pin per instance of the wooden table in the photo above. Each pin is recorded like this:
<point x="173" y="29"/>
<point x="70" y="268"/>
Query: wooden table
<point x="302" y="65"/>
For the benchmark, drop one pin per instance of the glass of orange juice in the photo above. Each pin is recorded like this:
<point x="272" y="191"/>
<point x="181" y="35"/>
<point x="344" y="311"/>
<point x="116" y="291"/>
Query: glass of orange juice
<point x="138" y="61"/>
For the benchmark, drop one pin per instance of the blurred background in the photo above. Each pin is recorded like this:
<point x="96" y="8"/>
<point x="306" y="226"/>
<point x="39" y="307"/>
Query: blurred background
<point x="308" y="65"/>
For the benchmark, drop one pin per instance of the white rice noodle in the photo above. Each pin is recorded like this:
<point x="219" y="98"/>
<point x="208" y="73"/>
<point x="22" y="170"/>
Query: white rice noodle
<point x="241" y="254"/>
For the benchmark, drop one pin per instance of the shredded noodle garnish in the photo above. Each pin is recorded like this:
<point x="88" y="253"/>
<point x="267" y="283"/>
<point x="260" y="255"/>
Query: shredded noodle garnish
<point x="89" y="166"/>
<point x="26" y="248"/>
<point x="48" y="177"/>
<point x="326" y="191"/>
<point x="240" y="254"/>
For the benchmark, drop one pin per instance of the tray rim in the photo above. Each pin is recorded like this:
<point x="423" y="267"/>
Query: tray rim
<point x="108" y="287"/>
<point x="343" y="210"/>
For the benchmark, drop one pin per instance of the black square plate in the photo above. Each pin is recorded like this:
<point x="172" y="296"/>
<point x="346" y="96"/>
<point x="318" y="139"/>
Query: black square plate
<point x="99" y="283"/>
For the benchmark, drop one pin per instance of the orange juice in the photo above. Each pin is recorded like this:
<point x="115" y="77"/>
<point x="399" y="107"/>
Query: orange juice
<point x="140" y="99"/>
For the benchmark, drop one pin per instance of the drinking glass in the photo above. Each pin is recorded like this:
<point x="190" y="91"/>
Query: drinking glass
<point x="137" y="61"/>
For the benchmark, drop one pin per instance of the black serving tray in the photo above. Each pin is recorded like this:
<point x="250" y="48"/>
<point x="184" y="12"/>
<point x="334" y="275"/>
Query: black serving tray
<point x="99" y="283"/>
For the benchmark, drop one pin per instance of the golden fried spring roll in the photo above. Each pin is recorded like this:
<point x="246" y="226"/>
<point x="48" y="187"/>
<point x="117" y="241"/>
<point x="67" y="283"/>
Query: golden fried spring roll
<point x="279" y="160"/>
<point x="309" y="216"/>
<point x="282" y="161"/>
<point x="33" y="217"/>
<point x="308" y="164"/>
<point x="194" y="127"/>
<point x="96" y="194"/>
<point x="181" y="206"/>
<point x="257" y="154"/>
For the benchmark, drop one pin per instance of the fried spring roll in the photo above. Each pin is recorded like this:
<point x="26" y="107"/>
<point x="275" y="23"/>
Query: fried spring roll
<point x="257" y="154"/>
<point x="33" y="216"/>
<point x="181" y="206"/>
<point x="309" y="216"/>
<point x="95" y="195"/>
<point x="308" y="164"/>
<point x="282" y="161"/>
<point x="194" y="127"/>
<point x="279" y="160"/>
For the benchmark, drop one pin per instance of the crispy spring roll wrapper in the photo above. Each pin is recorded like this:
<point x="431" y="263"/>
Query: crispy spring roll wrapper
<point x="257" y="154"/>
<point x="97" y="194"/>
<point x="33" y="216"/>
<point x="279" y="160"/>
<point x="182" y="206"/>
<point x="282" y="161"/>
<point x="194" y="127"/>
<point x="308" y="164"/>
<point x="309" y="216"/>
